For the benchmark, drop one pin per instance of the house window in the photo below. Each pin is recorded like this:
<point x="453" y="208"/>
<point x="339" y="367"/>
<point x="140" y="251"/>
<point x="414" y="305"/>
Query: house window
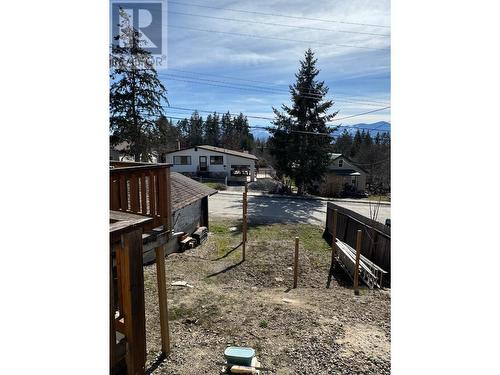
<point x="341" y="162"/>
<point x="182" y="160"/>
<point x="216" y="160"/>
<point x="240" y="170"/>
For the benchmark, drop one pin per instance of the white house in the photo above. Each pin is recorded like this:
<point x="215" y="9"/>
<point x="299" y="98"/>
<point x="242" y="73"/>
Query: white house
<point x="214" y="162"/>
<point x="343" y="176"/>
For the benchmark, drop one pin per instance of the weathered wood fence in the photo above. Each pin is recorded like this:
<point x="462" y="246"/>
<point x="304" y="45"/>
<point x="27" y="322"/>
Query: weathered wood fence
<point x="376" y="244"/>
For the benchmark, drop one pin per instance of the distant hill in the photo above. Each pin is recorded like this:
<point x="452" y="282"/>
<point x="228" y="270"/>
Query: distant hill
<point x="374" y="128"/>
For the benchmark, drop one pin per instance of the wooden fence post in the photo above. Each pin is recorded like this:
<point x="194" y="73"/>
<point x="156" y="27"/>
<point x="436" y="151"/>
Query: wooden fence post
<point x="334" y="234"/>
<point x="244" y="226"/>
<point x="296" y="263"/>
<point x="162" y="298"/>
<point x="356" y="268"/>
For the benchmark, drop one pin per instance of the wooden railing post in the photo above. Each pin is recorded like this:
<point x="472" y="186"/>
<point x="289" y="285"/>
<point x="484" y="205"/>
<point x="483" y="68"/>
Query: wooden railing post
<point x="162" y="297"/>
<point x="356" y="267"/>
<point x="334" y="234"/>
<point x="164" y="196"/>
<point x="296" y="263"/>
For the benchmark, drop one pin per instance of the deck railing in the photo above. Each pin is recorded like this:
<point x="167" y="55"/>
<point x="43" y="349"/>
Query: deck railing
<point x="141" y="188"/>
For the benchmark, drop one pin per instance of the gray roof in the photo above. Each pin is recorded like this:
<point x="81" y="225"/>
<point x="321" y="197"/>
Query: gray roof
<point x="222" y="151"/>
<point x="185" y="190"/>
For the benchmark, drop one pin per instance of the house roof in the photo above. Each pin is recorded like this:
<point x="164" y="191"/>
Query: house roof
<point x="222" y="151"/>
<point x="336" y="156"/>
<point x="185" y="190"/>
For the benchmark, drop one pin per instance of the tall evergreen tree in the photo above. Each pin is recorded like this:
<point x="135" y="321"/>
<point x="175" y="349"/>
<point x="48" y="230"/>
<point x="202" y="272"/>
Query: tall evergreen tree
<point x="227" y="129"/>
<point x="298" y="153"/>
<point x="196" y="129"/>
<point x="135" y="94"/>
<point x="183" y="130"/>
<point x="356" y="143"/>
<point x="212" y="130"/>
<point x="343" y="143"/>
<point x="243" y="138"/>
<point x="168" y="135"/>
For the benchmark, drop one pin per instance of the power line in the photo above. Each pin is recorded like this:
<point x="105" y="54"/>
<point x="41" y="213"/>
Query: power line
<point x="275" y="38"/>
<point x="261" y="117"/>
<point x="268" y="118"/>
<point x="280" y="25"/>
<point x="361" y="114"/>
<point x="277" y="15"/>
<point x="231" y="85"/>
<point x="261" y="82"/>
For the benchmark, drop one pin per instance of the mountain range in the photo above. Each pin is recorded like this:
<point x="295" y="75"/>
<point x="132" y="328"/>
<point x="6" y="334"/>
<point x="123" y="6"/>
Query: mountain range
<point x="373" y="128"/>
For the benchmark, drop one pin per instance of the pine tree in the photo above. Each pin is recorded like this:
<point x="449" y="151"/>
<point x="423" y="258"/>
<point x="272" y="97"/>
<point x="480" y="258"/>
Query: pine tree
<point x="183" y="130"/>
<point x="196" y="129"/>
<point x="298" y="153"/>
<point x="356" y="143"/>
<point x="343" y="143"/>
<point x="135" y="94"/>
<point x="212" y="130"/>
<point x="168" y="135"/>
<point x="227" y="129"/>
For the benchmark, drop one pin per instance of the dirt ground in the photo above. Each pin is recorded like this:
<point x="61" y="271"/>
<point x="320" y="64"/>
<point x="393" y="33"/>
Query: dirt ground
<point x="309" y="330"/>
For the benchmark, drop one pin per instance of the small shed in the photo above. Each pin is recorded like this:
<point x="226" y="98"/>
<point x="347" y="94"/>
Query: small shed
<point x="189" y="206"/>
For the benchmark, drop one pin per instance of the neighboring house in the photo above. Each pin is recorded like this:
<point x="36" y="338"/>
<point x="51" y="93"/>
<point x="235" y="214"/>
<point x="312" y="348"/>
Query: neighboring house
<point x="189" y="202"/>
<point x="342" y="177"/>
<point x="214" y="162"/>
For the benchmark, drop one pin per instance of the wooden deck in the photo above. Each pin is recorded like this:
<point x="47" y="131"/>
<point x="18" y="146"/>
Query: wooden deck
<point x="140" y="213"/>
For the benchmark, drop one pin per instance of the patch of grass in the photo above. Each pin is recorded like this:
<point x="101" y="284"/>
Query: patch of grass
<point x="263" y="324"/>
<point x="224" y="239"/>
<point x="216" y="185"/>
<point x="179" y="312"/>
<point x="310" y="236"/>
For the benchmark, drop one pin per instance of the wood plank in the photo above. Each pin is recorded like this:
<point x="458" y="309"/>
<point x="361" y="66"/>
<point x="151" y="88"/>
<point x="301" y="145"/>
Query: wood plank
<point x="123" y="193"/>
<point x="356" y="265"/>
<point x="296" y="263"/>
<point x="168" y="222"/>
<point x="112" y="333"/>
<point x="162" y="297"/>
<point x="152" y="196"/>
<point x="334" y="234"/>
<point x="134" y="193"/>
<point x="144" y="210"/>
<point x="114" y="199"/>
<point x="133" y="301"/>
<point x="163" y="195"/>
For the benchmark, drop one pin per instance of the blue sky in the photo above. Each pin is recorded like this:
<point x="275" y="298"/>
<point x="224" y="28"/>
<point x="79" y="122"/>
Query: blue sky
<point x="354" y="75"/>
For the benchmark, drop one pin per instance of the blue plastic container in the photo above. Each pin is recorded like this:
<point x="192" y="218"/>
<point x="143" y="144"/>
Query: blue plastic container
<point x="236" y="355"/>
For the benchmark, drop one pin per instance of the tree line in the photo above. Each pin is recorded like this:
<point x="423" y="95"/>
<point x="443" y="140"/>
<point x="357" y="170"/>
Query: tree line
<point x="220" y="130"/>
<point x="373" y="154"/>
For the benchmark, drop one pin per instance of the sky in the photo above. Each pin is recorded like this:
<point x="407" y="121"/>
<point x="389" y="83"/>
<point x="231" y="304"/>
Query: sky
<point x="352" y="48"/>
